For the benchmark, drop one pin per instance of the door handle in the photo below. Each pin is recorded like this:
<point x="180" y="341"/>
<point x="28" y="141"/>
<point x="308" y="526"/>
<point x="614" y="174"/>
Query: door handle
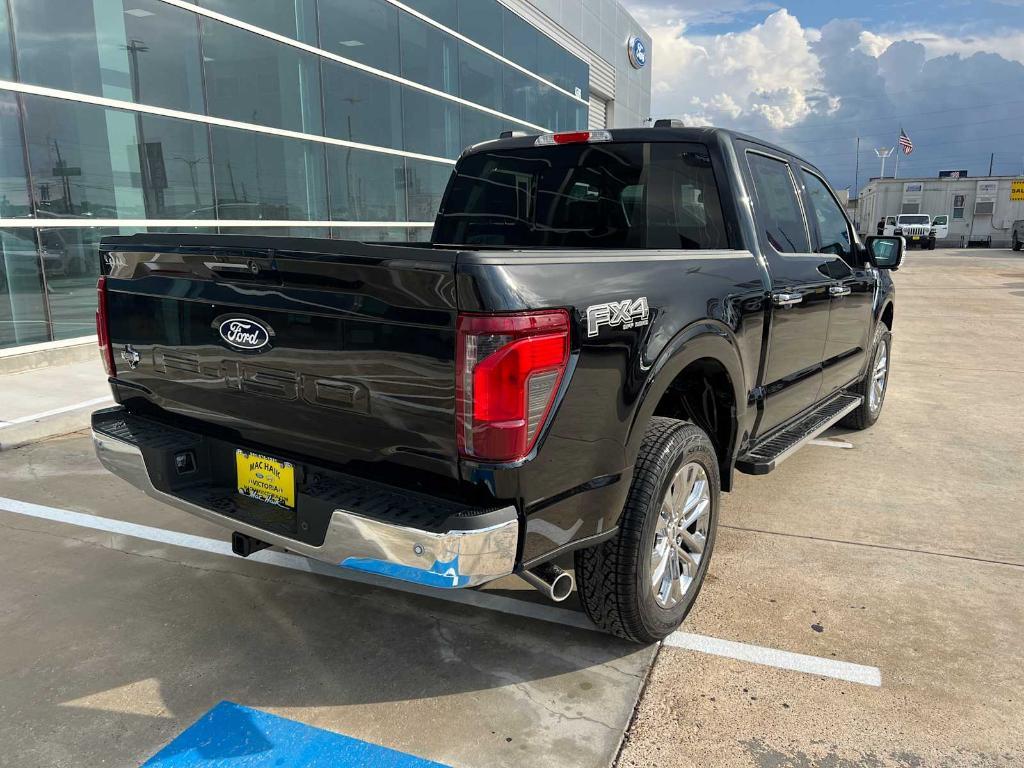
<point x="840" y="290"/>
<point x="787" y="299"/>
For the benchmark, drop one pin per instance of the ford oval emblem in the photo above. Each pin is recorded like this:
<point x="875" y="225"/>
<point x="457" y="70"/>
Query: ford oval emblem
<point x="637" y="52"/>
<point x="245" y="333"/>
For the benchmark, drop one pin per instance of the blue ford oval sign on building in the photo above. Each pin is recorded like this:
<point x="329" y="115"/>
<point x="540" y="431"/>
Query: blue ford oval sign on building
<point x="637" y="52"/>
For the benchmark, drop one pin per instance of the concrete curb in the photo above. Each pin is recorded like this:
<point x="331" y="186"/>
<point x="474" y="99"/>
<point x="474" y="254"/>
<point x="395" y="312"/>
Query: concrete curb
<point x="33" y="356"/>
<point x="63" y="421"/>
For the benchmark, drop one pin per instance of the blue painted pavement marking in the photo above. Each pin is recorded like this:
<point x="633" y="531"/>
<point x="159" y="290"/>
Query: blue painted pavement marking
<point x="233" y="736"/>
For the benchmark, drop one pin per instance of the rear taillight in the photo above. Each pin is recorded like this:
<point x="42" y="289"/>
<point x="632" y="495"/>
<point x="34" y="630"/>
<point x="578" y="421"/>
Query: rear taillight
<point x="508" y="370"/>
<point x="103" y="327"/>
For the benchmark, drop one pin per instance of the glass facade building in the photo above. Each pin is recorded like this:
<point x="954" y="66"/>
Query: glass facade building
<point x="326" y="118"/>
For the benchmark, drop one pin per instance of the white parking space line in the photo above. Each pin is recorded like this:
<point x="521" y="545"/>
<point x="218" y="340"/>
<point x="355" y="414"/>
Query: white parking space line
<point x="840" y="670"/>
<point x="57" y="411"/>
<point x="770" y="657"/>
<point x="831" y="442"/>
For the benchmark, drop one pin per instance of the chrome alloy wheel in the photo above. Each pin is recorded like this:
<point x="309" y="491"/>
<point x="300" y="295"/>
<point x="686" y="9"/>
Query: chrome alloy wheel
<point x="681" y="534"/>
<point x="879" y="375"/>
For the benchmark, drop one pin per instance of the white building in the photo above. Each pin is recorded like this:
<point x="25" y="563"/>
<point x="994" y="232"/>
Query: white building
<point x="980" y="210"/>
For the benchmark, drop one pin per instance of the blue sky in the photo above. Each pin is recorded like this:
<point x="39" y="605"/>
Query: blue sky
<point x="816" y="75"/>
<point x="973" y="15"/>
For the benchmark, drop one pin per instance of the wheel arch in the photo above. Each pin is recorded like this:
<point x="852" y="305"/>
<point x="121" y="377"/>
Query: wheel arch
<point x="698" y="377"/>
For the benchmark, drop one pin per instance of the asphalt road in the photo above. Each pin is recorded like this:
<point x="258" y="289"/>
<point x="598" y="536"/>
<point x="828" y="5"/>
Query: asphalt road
<point x="901" y="553"/>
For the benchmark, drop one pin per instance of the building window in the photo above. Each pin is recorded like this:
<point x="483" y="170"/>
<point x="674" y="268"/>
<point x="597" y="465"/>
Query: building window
<point x="481" y="20"/>
<point x="138" y="50"/>
<point x="959" y="204"/>
<point x="90" y="161"/>
<point x="362" y="107"/>
<point x="430" y="124"/>
<point x="442" y="11"/>
<point x="429" y="56"/>
<point x="6" y="54"/>
<point x="362" y="30"/>
<point x="86" y="162"/>
<point x="259" y="176"/>
<point x="911" y="208"/>
<point x="253" y="79"/>
<point x="295" y="19"/>
<point x="365" y="186"/>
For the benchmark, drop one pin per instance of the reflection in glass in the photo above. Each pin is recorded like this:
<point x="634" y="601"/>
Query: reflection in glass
<point x="519" y="40"/>
<point x="295" y="19"/>
<point x="430" y="124"/>
<point x="13" y="184"/>
<point x="257" y="80"/>
<point x="6" y="56"/>
<point x="429" y="56"/>
<point x="259" y="176"/>
<point x="426" y="182"/>
<point x="480" y="77"/>
<point x="22" y="311"/>
<point x="376" y="234"/>
<point x="138" y="50"/>
<point x="362" y="30"/>
<point x="365" y="186"/>
<point x="481" y="20"/>
<point x="479" y="126"/>
<point x="72" y="263"/>
<point x="96" y="162"/>
<point x="443" y="11"/>
<point x="362" y="107"/>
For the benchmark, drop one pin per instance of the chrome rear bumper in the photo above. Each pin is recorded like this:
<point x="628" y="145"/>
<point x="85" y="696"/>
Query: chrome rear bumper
<point x="450" y="559"/>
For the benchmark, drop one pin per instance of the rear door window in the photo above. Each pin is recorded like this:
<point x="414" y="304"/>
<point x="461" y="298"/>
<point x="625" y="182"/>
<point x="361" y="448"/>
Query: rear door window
<point x="601" y="195"/>
<point x="778" y="208"/>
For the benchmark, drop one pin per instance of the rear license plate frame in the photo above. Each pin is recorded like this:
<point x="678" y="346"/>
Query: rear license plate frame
<point x="267" y="479"/>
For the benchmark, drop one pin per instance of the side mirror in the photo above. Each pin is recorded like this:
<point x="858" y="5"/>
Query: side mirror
<point x="886" y="252"/>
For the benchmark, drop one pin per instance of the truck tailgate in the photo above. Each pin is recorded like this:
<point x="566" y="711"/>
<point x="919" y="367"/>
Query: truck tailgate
<point x="334" y="349"/>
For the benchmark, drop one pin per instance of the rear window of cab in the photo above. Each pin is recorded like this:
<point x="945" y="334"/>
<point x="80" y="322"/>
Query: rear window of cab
<point x="585" y="195"/>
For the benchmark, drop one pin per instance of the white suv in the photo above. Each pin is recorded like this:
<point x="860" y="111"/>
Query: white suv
<point x="916" y="229"/>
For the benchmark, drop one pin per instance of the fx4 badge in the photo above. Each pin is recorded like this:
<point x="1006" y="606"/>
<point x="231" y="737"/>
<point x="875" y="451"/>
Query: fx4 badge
<point x="629" y="313"/>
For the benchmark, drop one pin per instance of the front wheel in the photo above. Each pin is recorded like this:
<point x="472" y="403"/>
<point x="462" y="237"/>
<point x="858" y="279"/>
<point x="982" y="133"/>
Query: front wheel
<point x="640" y="584"/>
<point x="872" y="386"/>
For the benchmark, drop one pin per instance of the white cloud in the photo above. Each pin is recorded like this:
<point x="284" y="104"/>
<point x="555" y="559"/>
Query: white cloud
<point x="764" y="72"/>
<point x="818" y="89"/>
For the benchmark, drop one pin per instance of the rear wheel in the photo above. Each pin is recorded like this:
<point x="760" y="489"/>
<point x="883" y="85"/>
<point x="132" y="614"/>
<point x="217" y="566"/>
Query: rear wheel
<point x="1017" y="244"/>
<point x="641" y="584"/>
<point x="873" y="386"/>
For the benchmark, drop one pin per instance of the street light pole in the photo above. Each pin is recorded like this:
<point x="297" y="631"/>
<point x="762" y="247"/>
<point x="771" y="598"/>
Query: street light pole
<point x="884" y="153"/>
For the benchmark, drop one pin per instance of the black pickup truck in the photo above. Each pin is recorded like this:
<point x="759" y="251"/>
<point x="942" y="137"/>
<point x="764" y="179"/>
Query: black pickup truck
<point x="604" y="328"/>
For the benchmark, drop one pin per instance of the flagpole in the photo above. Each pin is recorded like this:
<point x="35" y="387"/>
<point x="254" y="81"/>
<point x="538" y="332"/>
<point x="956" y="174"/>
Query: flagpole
<point x="899" y="152"/>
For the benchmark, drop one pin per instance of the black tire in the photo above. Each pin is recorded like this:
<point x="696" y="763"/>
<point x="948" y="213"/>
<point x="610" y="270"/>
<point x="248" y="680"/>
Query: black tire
<point x="614" y="577"/>
<point x="1017" y="244"/>
<point x="931" y="245"/>
<point x="865" y="416"/>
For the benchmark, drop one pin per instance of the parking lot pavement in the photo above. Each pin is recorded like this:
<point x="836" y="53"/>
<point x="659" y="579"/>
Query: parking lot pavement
<point x="112" y="645"/>
<point x="904" y="552"/>
<point x="901" y="554"/>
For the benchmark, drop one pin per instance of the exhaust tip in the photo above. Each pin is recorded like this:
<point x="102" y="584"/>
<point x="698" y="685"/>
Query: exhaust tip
<point x="562" y="586"/>
<point x="551" y="581"/>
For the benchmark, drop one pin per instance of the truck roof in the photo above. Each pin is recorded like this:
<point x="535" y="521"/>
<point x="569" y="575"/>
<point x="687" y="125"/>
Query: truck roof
<point x="702" y="135"/>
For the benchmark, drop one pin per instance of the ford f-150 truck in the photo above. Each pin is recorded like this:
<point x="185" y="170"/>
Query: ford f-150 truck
<point x="605" y="327"/>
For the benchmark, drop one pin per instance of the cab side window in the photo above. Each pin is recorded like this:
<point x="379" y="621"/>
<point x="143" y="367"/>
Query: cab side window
<point x="833" y="229"/>
<point x="778" y="208"/>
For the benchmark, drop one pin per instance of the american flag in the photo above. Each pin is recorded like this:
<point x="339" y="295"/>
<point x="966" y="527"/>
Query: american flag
<point x="905" y="143"/>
